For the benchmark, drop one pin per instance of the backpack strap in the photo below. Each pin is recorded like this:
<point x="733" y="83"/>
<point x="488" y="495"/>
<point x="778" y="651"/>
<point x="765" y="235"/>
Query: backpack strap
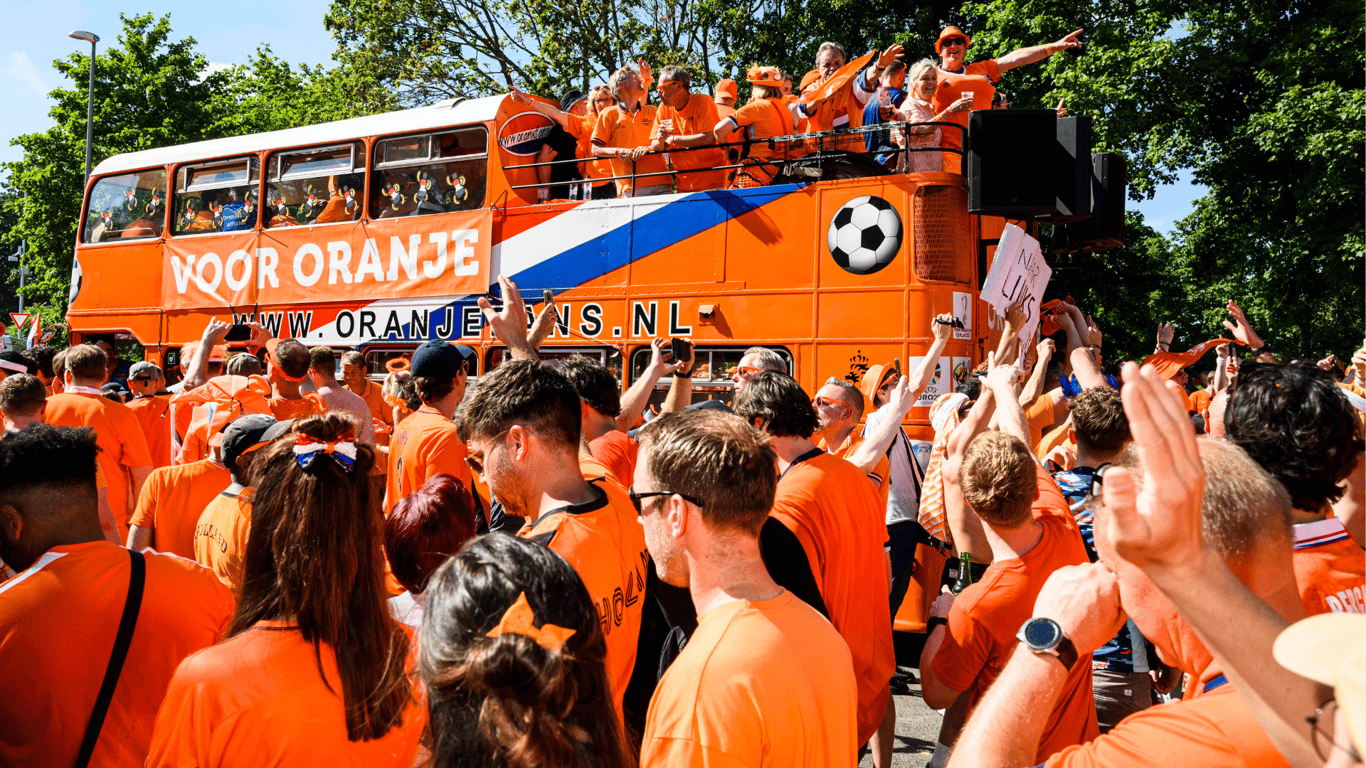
<point x="131" y="607"/>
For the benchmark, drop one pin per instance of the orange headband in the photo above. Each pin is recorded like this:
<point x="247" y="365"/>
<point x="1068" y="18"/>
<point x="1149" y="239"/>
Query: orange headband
<point x="518" y="619"/>
<point x="289" y="378"/>
<point x="397" y="364"/>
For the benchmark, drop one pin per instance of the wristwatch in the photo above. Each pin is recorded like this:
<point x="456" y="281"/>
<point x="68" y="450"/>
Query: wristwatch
<point x="1045" y="637"/>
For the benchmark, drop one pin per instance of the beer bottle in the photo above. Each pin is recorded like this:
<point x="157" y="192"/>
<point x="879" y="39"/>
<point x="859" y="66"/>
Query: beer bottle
<point x="964" y="579"/>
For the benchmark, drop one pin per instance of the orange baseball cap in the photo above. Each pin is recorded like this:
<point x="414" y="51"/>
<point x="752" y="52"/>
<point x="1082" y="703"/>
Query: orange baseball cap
<point x="727" y="86"/>
<point x="950" y="32"/>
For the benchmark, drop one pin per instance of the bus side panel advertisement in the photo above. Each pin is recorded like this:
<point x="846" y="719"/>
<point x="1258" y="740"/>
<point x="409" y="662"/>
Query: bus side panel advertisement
<point x="414" y="257"/>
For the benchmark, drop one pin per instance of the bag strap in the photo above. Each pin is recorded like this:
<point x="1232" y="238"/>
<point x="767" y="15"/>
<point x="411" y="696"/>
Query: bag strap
<point x="131" y="607"/>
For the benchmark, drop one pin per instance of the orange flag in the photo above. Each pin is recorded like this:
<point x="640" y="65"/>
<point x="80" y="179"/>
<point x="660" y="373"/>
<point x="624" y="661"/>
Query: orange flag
<point x="1169" y="363"/>
<point x="838" y="80"/>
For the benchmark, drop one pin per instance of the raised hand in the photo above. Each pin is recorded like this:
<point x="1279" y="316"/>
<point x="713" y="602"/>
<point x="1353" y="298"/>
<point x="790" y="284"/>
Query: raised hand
<point x="1071" y="41"/>
<point x="1165" y="332"/>
<point x="1240" y="328"/>
<point x="942" y="326"/>
<point x="509" y="323"/>
<point x="891" y="54"/>
<point x="1084" y="600"/>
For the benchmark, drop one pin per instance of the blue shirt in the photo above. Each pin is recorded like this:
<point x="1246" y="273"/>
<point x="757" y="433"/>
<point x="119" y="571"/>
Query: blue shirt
<point x="876" y="141"/>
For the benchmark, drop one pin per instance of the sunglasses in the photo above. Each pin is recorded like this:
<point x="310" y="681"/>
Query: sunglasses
<point x="636" y="497"/>
<point x="748" y="371"/>
<point x="1093" y="496"/>
<point x="477" y="465"/>
<point x="1323" y="740"/>
<point x="954" y="41"/>
<point x="822" y="402"/>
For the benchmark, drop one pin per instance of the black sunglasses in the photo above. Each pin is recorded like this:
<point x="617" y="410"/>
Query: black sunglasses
<point x="955" y="41"/>
<point x="1097" y="484"/>
<point x="636" y="497"/>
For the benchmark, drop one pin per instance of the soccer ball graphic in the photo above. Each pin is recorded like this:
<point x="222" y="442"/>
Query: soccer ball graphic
<point x="864" y="235"/>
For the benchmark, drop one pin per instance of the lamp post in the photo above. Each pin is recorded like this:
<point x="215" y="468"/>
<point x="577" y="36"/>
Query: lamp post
<point x="92" y="38"/>
<point x="17" y="258"/>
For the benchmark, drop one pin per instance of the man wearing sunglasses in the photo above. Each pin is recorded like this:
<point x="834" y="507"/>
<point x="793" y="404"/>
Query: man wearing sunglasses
<point x="522" y="425"/>
<point x="974" y="83"/>
<point x="756" y="360"/>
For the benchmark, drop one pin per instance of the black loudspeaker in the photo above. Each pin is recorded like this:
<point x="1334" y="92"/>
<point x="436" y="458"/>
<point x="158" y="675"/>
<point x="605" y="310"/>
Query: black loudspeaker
<point x="1009" y="164"/>
<point x="1104" y="231"/>
<point x="1072" y="171"/>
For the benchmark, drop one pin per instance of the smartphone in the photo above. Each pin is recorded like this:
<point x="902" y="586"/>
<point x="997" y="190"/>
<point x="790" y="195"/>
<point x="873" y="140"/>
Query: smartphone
<point x="238" y="332"/>
<point x="547" y="295"/>
<point x="896" y="365"/>
<point x="681" y="350"/>
<point x="955" y="322"/>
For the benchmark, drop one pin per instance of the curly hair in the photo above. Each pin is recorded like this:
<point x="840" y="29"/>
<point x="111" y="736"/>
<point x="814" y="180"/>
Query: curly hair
<point x="998" y="478"/>
<point x="1099" y="418"/>
<point x="507" y="701"/>
<point x="1297" y="423"/>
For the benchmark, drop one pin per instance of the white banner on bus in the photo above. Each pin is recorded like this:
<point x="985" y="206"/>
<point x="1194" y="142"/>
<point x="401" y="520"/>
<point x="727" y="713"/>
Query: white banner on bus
<point x="1018" y="274"/>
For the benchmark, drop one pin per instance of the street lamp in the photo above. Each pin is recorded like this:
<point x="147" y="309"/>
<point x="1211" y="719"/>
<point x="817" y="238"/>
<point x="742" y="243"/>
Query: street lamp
<point x="92" y="38"/>
<point x="18" y="258"/>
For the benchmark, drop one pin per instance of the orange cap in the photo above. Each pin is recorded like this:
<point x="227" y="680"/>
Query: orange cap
<point x="950" y="32"/>
<point x="727" y="86"/>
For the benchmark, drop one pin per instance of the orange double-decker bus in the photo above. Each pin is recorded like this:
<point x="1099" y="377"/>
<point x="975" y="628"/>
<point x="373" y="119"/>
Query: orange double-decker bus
<point x="380" y="232"/>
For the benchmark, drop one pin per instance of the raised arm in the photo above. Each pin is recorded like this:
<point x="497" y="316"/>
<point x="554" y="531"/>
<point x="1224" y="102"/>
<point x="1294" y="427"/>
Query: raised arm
<point x="1034" y="387"/>
<point x="1006" y="348"/>
<point x="1035" y="53"/>
<point x="680" y="391"/>
<point x="509" y="323"/>
<point x="561" y="118"/>
<point x="638" y="395"/>
<point x="1221" y="378"/>
<point x="198" y="373"/>
<point x="1087" y="372"/>
<point x="1003" y="380"/>
<point x="1242" y="331"/>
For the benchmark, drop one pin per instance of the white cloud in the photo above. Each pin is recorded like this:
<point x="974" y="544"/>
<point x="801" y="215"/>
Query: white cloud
<point x="22" y="70"/>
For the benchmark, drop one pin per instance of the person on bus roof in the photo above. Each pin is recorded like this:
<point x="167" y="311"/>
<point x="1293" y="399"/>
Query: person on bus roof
<point x="844" y="107"/>
<point x="684" y="115"/>
<point x="767" y="116"/>
<point x="623" y="134"/>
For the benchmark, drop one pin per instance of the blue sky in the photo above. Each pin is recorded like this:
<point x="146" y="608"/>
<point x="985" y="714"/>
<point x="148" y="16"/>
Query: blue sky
<point x="227" y="33"/>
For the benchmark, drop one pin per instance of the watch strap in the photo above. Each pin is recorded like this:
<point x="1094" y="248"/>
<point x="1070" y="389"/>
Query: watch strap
<point x="1066" y="652"/>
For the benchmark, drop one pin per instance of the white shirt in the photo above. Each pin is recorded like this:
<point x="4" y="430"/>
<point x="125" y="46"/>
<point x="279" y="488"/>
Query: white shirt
<point x="903" y="500"/>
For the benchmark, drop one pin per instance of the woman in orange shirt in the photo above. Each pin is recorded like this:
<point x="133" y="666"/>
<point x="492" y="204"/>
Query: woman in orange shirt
<point x="313" y="672"/>
<point x="502" y="690"/>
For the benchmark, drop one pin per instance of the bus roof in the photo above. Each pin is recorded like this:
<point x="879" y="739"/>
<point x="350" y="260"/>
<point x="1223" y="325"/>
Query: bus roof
<point x="439" y="115"/>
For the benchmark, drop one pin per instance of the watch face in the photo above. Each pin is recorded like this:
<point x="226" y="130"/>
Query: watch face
<point x="1042" y="634"/>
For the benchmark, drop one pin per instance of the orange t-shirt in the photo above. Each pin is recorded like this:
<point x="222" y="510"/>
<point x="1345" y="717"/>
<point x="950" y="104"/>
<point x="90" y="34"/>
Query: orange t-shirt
<point x="881" y="474"/>
<point x="1039" y="417"/>
<point x="423" y="445"/>
<point x="220" y="536"/>
<point x="1330" y="568"/>
<point x="123" y="446"/>
<point x="617" y="450"/>
<point x="1054" y="438"/>
<point x="697" y="116"/>
<point x="58" y="620"/>
<point x="1199" y="399"/>
<point x="977" y="78"/>
<point x="581" y="128"/>
<point x="258" y="700"/>
<point x="606" y="546"/>
<point x="836" y="514"/>
<point x="760" y="683"/>
<point x="1215" y="730"/>
<point x="615" y="128"/>
<point x="985" y="618"/>
<point x="154" y="415"/>
<point x="285" y="408"/>
<point x="765" y="118"/>
<point x="335" y="210"/>
<point x="373" y="396"/>
<point x="172" y="500"/>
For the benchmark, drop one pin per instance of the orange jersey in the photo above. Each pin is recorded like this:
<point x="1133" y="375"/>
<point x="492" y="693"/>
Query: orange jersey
<point x="1330" y="568"/>
<point x="1216" y="730"/>
<point x="760" y="683"/>
<point x="843" y="109"/>
<point x="285" y="408"/>
<point x="881" y="474"/>
<point x="763" y="119"/>
<point x="154" y="415"/>
<point x="986" y="616"/>
<point x="373" y="396"/>
<point x="423" y="445"/>
<point x="172" y="500"/>
<point x="617" y="450"/>
<point x="58" y="620"/>
<point x="836" y="514"/>
<point x="606" y="546"/>
<point x="977" y="78"/>
<point x="1199" y="399"/>
<point x="1039" y="418"/>
<point x="697" y="116"/>
<point x="220" y="536"/>
<point x="617" y="128"/>
<point x="258" y="700"/>
<point x="581" y="128"/>
<point x="123" y="446"/>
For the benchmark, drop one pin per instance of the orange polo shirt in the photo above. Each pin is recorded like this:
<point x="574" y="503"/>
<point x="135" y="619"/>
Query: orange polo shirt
<point x="373" y="395"/>
<point x="58" y="620"/>
<point x="1215" y="730"/>
<point x="258" y="700"/>
<point x="618" y="128"/>
<point x="977" y="78"/>
<point x="761" y="683"/>
<point x="881" y="474"/>
<point x="123" y="446"/>
<point x="697" y="116"/>
<point x="617" y="450"/>
<point x="1330" y="568"/>
<point x="610" y="556"/>
<point x="581" y="128"/>
<point x="172" y="500"/>
<point x="220" y="536"/>
<point x="154" y="415"/>
<point x="423" y="445"/>
<point x="985" y="618"/>
<point x="286" y="408"/>
<point x="836" y="514"/>
<point x="844" y="109"/>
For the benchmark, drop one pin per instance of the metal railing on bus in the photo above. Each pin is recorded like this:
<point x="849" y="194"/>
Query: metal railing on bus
<point x="827" y="147"/>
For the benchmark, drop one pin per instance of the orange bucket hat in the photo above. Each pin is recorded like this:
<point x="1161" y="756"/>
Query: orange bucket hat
<point x="951" y="32"/>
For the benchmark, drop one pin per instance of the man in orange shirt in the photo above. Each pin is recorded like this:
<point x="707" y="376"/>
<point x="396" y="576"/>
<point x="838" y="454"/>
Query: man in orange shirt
<point x="766" y="116"/>
<point x="837" y="516"/>
<point x="60" y="615"/>
<point x="1297" y="424"/>
<point x="153" y="409"/>
<point x="170" y="505"/>
<point x="601" y="403"/>
<point x="23" y="401"/>
<point x="683" y="115"/>
<point x="764" y="680"/>
<point x="839" y="408"/>
<point x="522" y="425"/>
<point x="427" y="443"/>
<point x="623" y="134"/>
<point x="123" y="446"/>
<point x="289" y="362"/>
<point x="1208" y="536"/>
<point x="224" y="522"/>
<point x="355" y="380"/>
<point x="844" y="107"/>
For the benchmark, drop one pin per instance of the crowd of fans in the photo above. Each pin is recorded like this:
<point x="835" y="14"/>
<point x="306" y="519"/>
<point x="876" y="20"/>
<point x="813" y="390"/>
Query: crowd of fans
<point x="612" y="142"/>
<point x="262" y="564"/>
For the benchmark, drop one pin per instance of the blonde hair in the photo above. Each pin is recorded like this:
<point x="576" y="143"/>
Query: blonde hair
<point x="998" y="479"/>
<point x="917" y="69"/>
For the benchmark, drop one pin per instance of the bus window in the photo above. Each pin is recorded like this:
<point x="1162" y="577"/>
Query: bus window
<point x="377" y="360"/>
<point x="129" y="206"/>
<point x="710" y="374"/>
<point x="216" y="197"/>
<point x="315" y="186"/>
<point x="608" y="357"/>
<point x="431" y="173"/>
